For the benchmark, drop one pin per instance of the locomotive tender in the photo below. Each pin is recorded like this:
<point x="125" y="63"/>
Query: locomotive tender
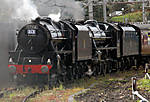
<point x="66" y="50"/>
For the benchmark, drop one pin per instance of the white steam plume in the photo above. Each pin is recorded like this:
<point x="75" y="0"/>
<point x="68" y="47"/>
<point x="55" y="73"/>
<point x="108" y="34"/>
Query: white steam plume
<point x="55" y="17"/>
<point x="69" y="8"/>
<point x="27" y="10"/>
<point x="18" y="9"/>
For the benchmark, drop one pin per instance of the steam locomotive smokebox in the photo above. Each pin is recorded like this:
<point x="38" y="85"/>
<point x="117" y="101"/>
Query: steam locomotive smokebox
<point x="33" y="38"/>
<point x="84" y="43"/>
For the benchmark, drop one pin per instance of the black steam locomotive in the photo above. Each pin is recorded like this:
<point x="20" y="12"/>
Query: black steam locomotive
<point x="66" y="50"/>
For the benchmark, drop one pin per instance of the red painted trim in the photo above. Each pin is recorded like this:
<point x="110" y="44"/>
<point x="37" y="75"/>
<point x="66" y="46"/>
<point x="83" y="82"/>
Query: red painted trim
<point x="34" y="69"/>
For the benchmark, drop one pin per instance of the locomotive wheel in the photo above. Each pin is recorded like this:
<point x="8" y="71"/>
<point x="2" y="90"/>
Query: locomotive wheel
<point x="109" y="66"/>
<point x="53" y="77"/>
<point x="131" y="62"/>
<point x="19" y="79"/>
<point x="75" y="71"/>
<point x="115" y="63"/>
<point x="122" y="65"/>
<point x="118" y="65"/>
<point x="11" y="77"/>
<point x="69" y="74"/>
<point x="99" y="69"/>
<point x="104" y="68"/>
<point x="84" y="69"/>
<point x="136" y="64"/>
<point x="79" y="71"/>
<point x="63" y="74"/>
<point x="96" y="70"/>
<point x="53" y="81"/>
<point x="127" y="64"/>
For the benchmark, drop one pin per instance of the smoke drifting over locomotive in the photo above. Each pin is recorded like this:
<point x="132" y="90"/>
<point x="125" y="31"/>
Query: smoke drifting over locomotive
<point x="7" y="43"/>
<point x="67" y="8"/>
<point x="30" y="9"/>
<point x="20" y="10"/>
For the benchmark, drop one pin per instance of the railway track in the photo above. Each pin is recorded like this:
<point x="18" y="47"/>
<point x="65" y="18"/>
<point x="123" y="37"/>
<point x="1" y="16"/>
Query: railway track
<point x="33" y="94"/>
<point x="115" y="88"/>
<point x="19" y="94"/>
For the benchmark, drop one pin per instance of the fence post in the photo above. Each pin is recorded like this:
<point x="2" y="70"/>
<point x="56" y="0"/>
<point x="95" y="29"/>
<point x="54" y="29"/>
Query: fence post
<point x="135" y="92"/>
<point x="146" y="71"/>
<point x="134" y="88"/>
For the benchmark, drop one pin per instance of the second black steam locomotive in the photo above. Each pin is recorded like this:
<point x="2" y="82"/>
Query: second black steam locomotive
<point x="66" y="50"/>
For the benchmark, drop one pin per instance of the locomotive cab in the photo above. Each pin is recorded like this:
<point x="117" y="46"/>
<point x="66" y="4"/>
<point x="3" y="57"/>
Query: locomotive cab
<point x="84" y="43"/>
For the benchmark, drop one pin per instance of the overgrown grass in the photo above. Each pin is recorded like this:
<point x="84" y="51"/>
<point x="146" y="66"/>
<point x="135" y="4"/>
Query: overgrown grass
<point x="144" y="84"/>
<point x="132" y="17"/>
